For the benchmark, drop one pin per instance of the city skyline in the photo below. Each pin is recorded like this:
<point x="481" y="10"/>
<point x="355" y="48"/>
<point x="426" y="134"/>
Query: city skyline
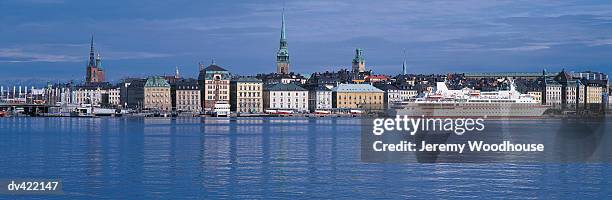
<point x="438" y="38"/>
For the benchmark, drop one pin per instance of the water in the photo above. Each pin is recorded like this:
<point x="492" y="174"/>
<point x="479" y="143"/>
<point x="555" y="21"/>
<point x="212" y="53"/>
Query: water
<point x="278" y="158"/>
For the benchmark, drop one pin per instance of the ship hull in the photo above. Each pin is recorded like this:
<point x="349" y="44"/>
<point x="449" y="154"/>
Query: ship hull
<point x="459" y="110"/>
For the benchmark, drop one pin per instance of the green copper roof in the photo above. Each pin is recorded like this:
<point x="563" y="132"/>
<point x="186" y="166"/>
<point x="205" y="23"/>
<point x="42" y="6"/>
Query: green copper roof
<point x="156" y="81"/>
<point x="282" y="56"/>
<point x="358" y="56"/>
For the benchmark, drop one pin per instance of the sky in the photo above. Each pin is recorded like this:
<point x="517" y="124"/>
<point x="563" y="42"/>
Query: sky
<point x="49" y="39"/>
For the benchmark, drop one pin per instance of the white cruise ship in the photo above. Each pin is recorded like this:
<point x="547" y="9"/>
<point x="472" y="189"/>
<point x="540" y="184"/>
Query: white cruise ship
<point x="442" y="102"/>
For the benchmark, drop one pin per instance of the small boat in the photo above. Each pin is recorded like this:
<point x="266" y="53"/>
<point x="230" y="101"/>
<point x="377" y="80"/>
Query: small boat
<point x="4" y="114"/>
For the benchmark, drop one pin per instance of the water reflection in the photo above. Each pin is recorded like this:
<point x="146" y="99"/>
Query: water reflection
<point x="145" y="158"/>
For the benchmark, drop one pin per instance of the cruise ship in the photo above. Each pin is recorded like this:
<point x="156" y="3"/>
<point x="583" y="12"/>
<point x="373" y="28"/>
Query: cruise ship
<point x="442" y="102"/>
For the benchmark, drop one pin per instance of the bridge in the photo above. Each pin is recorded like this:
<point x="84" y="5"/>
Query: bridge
<point x="30" y="109"/>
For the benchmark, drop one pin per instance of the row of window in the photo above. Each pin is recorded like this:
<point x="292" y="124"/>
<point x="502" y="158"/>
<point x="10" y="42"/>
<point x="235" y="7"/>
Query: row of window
<point x="249" y="94"/>
<point x="250" y="87"/>
<point x="156" y="101"/>
<point x="288" y="100"/>
<point x="289" y="94"/>
<point x="274" y="105"/>
<point x="342" y="97"/>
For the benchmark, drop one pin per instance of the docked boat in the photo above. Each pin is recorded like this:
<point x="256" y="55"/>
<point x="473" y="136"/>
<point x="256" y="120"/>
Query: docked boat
<point x="442" y="102"/>
<point x="221" y="109"/>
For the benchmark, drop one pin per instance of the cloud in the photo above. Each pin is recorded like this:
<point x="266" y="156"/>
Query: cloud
<point x="15" y="55"/>
<point x="134" y="55"/>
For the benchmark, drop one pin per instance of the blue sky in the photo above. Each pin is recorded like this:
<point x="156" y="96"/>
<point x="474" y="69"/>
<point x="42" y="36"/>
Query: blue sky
<point x="49" y="38"/>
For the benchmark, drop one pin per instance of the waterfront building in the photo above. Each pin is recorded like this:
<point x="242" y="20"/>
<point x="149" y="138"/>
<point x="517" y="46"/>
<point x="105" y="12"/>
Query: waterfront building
<point x="392" y="94"/>
<point x="362" y="96"/>
<point x="214" y="84"/>
<point x="406" y="94"/>
<point x="319" y="98"/>
<point x="552" y="91"/>
<point x="285" y="97"/>
<point x="94" y="71"/>
<point x="246" y="94"/>
<point x="187" y="96"/>
<point x="536" y="95"/>
<point x="95" y="94"/>
<point x="282" y="56"/>
<point x="132" y="93"/>
<point x="571" y="90"/>
<point x="112" y="97"/>
<point x="358" y="64"/>
<point x="594" y="93"/>
<point x="157" y="94"/>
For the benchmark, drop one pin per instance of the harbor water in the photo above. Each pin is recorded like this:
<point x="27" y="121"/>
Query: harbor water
<point x="260" y="158"/>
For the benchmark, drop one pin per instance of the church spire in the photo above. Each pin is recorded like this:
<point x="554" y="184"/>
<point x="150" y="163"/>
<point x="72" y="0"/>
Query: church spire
<point x="282" y="56"/>
<point x="92" y="58"/>
<point x="404" y="64"/>
<point x="283" y="36"/>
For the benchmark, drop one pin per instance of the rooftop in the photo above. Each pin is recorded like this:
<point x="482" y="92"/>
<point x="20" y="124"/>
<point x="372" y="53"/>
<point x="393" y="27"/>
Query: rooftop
<point x="156" y="81"/>
<point x="246" y="79"/>
<point x="214" y="67"/>
<point x="507" y="74"/>
<point x="285" y="87"/>
<point x="356" y="88"/>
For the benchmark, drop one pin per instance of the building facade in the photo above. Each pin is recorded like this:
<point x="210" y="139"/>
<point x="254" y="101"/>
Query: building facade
<point x="552" y="94"/>
<point x="214" y="84"/>
<point x="246" y="94"/>
<point x="157" y="94"/>
<point x="96" y="94"/>
<point x="360" y="96"/>
<point x="319" y="98"/>
<point x="286" y="97"/>
<point x="187" y="96"/>
<point x="132" y="93"/>
<point x="392" y="94"/>
<point x="536" y="95"/>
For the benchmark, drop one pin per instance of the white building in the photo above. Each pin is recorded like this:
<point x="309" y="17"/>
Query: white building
<point x="320" y="98"/>
<point x="96" y="95"/>
<point x="286" y="97"/>
<point x="407" y="94"/>
<point x="553" y="94"/>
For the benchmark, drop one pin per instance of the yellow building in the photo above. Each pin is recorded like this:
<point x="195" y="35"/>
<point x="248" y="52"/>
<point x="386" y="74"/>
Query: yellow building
<point x="246" y="94"/>
<point x="157" y="94"/>
<point x="594" y="94"/>
<point x="360" y="96"/>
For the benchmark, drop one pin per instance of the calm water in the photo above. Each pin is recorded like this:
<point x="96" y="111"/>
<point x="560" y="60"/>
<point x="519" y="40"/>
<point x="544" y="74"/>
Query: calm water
<point x="129" y="158"/>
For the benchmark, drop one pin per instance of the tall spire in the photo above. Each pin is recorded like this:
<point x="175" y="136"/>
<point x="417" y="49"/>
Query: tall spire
<point x="404" y="64"/>
<point x="98" y="61"/>
<point x="283" y="36"/>
<point x="282" y="56"/>
<point x="92" y="58"/>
